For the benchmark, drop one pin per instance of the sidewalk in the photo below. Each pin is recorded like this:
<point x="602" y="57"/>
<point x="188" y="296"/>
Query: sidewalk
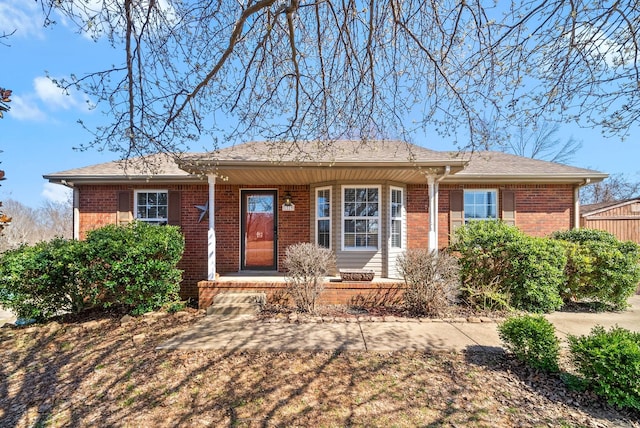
<point x="6" y="317"/>
<point x="247" y="333"/>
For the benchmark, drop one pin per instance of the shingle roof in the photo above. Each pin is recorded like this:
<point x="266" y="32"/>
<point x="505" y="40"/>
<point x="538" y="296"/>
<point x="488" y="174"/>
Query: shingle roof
<point x="289" y="162"/>
<point x="325" y="152"/>
<point x="490" y="165"/>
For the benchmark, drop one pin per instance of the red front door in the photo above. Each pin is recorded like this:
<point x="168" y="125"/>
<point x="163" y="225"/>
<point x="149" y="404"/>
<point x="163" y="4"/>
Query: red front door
<point x="259" y="231"/>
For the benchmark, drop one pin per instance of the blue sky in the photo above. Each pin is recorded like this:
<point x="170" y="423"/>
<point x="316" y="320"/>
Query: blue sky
<point x="40" y="132"/>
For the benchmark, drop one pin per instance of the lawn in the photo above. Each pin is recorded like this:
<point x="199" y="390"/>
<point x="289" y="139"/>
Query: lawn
<point x="98" y="371"/>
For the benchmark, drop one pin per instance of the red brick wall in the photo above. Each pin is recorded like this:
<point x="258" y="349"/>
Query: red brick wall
<point x="417" y="216"/>
<point x="540" y="210"/>
<point x="98" y="206"/>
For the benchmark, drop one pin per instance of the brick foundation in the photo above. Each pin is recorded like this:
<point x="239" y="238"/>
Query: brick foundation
<point x="367" y="294"/>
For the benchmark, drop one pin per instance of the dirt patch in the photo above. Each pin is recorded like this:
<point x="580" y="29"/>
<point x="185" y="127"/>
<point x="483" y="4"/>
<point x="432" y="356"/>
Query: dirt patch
<point x="103" y="372"/>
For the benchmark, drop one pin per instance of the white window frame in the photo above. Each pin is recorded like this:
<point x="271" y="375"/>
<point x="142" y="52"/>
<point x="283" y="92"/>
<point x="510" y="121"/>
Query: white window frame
<point x="378" y="218"/>
<point x="398" y="217"/>
<point x="156" y="220"/>
<point x="319" y="218"/>
<point x="464" y="204"/>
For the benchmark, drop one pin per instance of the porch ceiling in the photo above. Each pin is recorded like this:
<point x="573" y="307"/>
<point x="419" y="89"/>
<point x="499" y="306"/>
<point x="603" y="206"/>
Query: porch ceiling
<point x="307" y="175"/>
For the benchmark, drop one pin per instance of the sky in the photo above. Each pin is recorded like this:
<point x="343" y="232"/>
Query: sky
<point x="38" y="135"/>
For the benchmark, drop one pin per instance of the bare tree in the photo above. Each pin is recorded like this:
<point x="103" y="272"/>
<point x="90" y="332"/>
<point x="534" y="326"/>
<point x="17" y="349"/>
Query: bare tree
<point x="615" y="188"/>
<point x="298" y="70"/>
<point x="32" y="225"/>
<point x="541" y="143"/>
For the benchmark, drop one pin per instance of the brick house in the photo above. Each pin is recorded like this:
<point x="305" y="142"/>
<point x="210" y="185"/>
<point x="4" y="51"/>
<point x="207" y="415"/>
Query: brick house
<point x="366" y="202"/>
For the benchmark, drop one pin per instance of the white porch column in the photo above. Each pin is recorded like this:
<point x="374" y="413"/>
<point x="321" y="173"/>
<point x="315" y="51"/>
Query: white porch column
<point x="211" y="237"/>
<point x="433" y="214"/>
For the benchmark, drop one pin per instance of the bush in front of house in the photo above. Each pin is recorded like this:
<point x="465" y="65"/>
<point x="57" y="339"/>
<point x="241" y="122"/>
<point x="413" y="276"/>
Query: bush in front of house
<point x="306" y="267"/>
<point x="503" y="267"/>
<point x="38" y="282"/>
<point x="610" y="364"/>
<point x="432" y="281"/>
<point x="133" y="265"/>
<point x="532" y="340"/>
<point x="600" y="268"/>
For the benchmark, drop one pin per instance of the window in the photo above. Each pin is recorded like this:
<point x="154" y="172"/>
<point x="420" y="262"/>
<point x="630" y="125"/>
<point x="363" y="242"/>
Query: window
<point x="361" y="218"/>
<point x="480" y="205"/>
<point x="323" y="217"/>
<point x="152" y="206"/>
<point x="396" y="218"/>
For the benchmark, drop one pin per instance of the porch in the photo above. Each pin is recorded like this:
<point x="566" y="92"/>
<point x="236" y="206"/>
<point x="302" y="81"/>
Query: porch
<point x="378" y="292"/>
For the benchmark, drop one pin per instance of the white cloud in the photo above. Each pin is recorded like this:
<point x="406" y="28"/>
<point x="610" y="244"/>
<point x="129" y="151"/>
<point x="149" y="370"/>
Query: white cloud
<point x="53" y="96"/>
<point x="23" y="17"/>
<point x="26" y="108"/>
<point x="47" y="98"/>
<point x="56" y="192"/>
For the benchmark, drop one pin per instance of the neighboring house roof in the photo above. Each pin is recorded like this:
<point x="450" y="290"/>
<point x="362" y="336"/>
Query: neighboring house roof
<point x="313" y="162"/>
<point x="593" y="209"/>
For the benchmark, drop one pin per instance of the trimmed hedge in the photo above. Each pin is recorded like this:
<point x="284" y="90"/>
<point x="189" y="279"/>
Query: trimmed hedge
<point x="38" y="282"/>
<point x="524" y="271"/>
<point x="133" y="265"/>
<point x="599" y="268"/>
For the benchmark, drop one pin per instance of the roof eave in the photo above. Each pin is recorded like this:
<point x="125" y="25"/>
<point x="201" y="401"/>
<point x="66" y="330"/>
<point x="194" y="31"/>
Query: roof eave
<point x="69" y="180"/>
<point x="581" y="179"/>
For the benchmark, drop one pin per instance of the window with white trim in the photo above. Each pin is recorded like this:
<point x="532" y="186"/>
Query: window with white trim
<point x="396" y="217"/>
<point x="480" y="205"/>
<point x="323" y="217"/>
<point x="361" y="218"/>
<point x="152" y="206"/>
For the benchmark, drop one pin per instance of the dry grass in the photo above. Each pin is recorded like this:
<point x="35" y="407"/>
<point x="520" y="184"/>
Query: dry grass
<point x="102" y="373"/>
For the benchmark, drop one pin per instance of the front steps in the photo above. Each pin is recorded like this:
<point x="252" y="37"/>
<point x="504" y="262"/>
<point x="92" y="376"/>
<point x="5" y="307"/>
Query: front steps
<point x="237" y="303"/>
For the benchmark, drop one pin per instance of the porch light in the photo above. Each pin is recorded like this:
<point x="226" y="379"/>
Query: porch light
<point x="288" y="201"/>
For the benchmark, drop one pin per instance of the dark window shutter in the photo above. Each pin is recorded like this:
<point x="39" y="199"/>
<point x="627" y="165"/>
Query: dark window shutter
<point x="175" y="208"/>
<point x="456" y="210"/>
<point x="509" y="207"/>
<point x="124" y="214"/>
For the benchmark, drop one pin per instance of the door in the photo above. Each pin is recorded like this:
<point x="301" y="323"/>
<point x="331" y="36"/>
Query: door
<point x="259" y="230"/>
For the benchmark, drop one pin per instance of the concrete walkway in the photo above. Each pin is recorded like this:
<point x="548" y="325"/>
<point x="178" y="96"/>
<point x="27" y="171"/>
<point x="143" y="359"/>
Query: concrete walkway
<point x="6" y="317"/>
<point x="247" y="333"/>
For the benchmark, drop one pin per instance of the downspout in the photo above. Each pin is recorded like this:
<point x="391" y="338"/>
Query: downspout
<point x="75" y="210"/>
<point x="576" y="203"/>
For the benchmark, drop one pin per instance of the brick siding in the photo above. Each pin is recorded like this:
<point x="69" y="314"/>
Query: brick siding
<point x="540" y="210"/>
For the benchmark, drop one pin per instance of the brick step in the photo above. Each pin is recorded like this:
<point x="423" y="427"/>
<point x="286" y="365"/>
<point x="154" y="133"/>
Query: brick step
<point x="229" y="309"/>
<point x="240" y="297"/>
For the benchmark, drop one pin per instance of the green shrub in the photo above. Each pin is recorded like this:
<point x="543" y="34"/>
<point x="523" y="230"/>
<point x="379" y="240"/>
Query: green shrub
<point x="432" y="281"/>
<point x="532" y="340"/>
<point x="307" y="265"/>
<point x="134" y="265"/>
<point x="499" y="263"/>
<point x="610" y="363"/>
<point x="38" y="282"/>
<point x="599" y="268"/>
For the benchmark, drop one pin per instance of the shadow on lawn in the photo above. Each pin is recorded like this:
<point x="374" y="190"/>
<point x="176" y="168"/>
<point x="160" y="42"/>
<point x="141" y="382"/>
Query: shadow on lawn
<point x="550" y="386"/>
